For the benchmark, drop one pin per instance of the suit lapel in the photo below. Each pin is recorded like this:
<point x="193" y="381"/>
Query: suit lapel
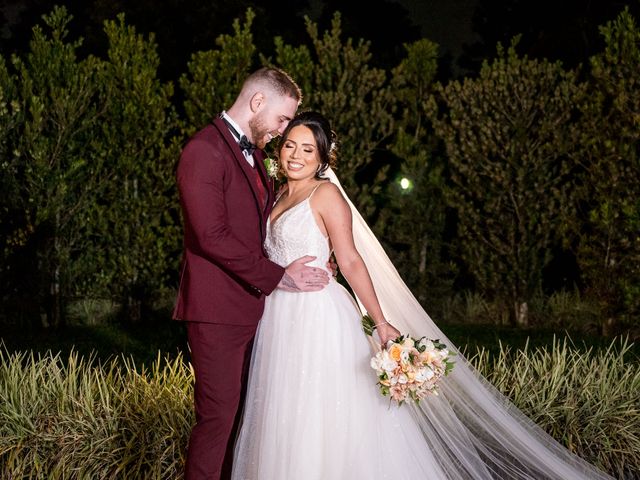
<point x="247" y="170"/>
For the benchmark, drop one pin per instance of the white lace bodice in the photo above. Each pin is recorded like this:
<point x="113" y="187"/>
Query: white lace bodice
<point x="295" y="234"/>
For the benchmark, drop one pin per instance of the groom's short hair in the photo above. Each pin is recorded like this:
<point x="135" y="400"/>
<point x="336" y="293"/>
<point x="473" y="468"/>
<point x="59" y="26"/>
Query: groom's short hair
<point x="276" y="80"/>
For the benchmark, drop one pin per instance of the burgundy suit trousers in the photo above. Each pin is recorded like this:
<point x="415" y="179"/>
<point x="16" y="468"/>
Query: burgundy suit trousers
<point x="220" y="355"/>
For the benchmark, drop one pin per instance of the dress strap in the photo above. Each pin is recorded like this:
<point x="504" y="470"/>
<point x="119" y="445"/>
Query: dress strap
<point x="279" y="194"/>
<point x="314" y="190"/>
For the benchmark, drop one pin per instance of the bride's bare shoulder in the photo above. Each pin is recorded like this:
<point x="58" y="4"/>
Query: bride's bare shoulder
<point x="326" y="191"/>
<point x="327" y="195"/>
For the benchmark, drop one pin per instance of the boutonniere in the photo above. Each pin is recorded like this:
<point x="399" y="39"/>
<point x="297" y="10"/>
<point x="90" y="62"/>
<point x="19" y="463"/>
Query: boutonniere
<point x="271" y="164"/>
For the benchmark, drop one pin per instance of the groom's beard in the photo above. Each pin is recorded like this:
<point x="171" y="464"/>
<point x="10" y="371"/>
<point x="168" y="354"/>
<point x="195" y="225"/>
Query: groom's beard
<point x="259" y="132"/>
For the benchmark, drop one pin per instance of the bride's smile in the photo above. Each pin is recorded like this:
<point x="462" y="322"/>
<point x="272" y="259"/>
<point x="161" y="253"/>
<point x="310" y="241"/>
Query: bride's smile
<point x="299" y="154"/>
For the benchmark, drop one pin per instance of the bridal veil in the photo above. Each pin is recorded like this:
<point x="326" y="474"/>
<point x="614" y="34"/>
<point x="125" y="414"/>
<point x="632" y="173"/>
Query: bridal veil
<point x="474" y="431"/>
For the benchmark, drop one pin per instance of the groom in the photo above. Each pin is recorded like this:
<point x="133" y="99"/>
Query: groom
<point x="226" y="197"/>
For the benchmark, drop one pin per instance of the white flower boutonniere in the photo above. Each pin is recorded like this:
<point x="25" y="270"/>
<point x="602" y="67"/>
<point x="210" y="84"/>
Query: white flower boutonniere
<point x="271" y="165"/>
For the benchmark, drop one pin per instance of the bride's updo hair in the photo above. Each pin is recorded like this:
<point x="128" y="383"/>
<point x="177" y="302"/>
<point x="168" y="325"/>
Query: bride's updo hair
<point x="326" y="139"/>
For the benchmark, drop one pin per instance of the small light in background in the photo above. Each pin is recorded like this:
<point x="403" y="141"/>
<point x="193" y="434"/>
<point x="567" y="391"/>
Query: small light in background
<point x="405" y="184"/>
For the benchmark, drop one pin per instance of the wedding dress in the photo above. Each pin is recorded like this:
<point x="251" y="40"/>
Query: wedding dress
<point x="313" y="410"/>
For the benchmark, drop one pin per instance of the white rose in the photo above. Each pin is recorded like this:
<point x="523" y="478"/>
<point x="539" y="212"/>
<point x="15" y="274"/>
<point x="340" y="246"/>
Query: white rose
<point x="388" y="364"/>
<point x="404" y="355"/>
<point x="425" y="374"/>
<point x="376" y="363"/>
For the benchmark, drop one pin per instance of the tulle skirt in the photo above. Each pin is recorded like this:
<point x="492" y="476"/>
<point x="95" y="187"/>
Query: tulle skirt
<point x="313" y="410"/>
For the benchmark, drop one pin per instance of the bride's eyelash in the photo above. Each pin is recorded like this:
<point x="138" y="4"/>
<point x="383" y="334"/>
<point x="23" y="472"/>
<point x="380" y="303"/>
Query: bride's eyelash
<point x="290" y="145"/>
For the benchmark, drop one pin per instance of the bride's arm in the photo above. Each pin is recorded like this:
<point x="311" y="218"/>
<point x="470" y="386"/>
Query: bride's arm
<point x="329" y="204"/>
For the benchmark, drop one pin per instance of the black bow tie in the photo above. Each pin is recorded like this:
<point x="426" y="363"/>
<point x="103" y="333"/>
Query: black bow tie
<point x="244" y="142"/>
<point x="246" y="145"/>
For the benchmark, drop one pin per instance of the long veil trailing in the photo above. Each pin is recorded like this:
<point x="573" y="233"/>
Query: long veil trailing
<point x="475" y="432"/>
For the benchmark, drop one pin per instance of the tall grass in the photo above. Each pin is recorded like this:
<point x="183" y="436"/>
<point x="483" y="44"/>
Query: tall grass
<point x="78" y="418"/>
<point x="588" y="400"/>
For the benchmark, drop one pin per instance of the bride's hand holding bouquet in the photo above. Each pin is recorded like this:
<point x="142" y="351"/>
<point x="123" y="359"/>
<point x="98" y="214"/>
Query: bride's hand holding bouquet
<point x="407" y="367"/>
<point x="386" y="332"/>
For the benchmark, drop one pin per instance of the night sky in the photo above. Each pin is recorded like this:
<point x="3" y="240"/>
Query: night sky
<point x="465" y="30"/>
<point x="449" y="23"/>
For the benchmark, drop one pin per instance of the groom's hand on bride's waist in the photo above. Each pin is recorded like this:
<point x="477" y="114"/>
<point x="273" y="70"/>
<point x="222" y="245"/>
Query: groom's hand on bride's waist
<point x="299" y="277"/>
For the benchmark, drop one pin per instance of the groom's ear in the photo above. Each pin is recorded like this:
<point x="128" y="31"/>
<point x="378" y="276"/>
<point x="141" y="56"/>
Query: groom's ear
<point x="257" y="100"/>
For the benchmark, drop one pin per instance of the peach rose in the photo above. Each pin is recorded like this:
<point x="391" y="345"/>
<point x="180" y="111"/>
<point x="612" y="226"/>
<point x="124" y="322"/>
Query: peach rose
<point x="395" y="352"/>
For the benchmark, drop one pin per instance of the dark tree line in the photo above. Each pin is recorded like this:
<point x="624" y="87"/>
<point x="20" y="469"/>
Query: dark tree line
<point x="514" y="172"/>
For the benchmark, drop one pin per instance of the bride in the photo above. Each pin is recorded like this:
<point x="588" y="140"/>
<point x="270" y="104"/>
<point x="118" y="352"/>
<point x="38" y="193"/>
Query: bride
<point x="313" y="410"/>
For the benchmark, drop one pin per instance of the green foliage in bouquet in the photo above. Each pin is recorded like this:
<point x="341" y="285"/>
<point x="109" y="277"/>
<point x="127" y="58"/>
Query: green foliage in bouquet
<point x="367" y="324"/>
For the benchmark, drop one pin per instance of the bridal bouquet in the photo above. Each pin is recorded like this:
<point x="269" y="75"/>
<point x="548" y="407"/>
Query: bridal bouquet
<point x="411" y="367"/>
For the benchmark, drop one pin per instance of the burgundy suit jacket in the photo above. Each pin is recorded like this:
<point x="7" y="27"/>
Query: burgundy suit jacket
<point x="225" y="273"/>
